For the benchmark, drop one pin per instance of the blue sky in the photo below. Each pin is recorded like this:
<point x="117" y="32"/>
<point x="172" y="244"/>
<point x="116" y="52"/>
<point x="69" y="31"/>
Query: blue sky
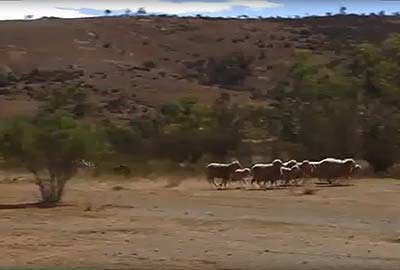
<point x="227" y="8"/>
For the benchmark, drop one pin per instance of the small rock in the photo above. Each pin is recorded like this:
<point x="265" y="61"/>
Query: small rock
<point x="267" y="250"/>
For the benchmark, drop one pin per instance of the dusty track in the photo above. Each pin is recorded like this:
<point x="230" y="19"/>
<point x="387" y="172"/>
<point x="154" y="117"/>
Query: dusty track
<point x="145" y="226"/>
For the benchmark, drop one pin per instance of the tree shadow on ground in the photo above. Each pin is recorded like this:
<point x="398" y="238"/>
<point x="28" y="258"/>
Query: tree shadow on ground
<point x="31" y="205"/>
<point x="333" y="185"/>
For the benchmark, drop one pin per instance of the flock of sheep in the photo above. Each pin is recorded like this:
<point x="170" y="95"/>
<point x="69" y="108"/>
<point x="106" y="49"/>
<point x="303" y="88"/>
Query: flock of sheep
<point x="279" y="172"/>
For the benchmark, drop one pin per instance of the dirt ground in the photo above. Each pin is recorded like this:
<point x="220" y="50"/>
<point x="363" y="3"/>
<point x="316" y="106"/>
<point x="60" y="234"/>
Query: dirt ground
<point x="146" y="226"/>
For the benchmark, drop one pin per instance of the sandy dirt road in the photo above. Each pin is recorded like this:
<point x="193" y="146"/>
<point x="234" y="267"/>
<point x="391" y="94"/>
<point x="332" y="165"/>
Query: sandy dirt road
<point x="146" y="226"/>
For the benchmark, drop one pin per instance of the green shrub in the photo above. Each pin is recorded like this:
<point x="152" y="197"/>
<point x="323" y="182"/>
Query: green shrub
<point x="51" y="146"/>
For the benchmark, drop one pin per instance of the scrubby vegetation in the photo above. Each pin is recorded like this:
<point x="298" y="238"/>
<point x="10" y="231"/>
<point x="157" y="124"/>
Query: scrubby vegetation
<point x="342" y="106"/>
<point x="51" y="146"/>
<point x="347" y="106"/>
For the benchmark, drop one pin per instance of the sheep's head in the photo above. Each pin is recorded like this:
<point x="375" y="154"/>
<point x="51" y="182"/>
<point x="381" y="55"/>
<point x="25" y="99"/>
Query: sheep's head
<point x="235" y="165"/>
<point x="245" y="172"/>
<point x="277" y="163"/>
<point x="296" y="171"/>
<point x="290" y="163"/>
<point x="306" y="168"/>
<point x="350" y="164"/>
<point x="295" y="168"/>
<point x="356" y="169"/>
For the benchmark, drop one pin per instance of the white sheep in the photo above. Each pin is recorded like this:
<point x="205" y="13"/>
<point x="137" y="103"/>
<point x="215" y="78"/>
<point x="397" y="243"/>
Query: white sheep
<point x="267" y="172"/>
<point x="290" y="163"/>
<point x="221" y="171"/>
<point x="355" y="171"/>
<point x="241" y="175"/>
<point x="332" y="168"/>
<point x="306" y="168"/>
<point x="290" y="174"/>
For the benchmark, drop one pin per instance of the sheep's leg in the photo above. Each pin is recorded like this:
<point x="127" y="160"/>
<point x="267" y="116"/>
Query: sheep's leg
<point x="299" y="181"/>
<point x="224" y="183"/>
<point x="276" y="183"/>
<point x="337" y="181"/>
<point x="256" y="181"/>
<point x="221" y="185"/>
<point x="249" y="184"/>
<point x="244" y="182"/>
<point x="253" y="182"/>
<point x="272" y="183"/>
<point x="211" y="180"/>
<point x="265" y="184"/>
<point x="261" y="184"/>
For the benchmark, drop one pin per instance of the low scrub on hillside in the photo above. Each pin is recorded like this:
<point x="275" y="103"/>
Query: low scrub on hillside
<point x="344" y="106"/>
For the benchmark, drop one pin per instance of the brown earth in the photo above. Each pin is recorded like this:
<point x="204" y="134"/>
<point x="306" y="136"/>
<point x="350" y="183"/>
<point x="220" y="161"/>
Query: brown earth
<point x="142" y="225"/>
<point x="137" y="64"/>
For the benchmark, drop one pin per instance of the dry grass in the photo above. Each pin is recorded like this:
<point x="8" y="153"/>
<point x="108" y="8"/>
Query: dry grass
<point x="110" y="74"/>
<point x="195" y="227"/>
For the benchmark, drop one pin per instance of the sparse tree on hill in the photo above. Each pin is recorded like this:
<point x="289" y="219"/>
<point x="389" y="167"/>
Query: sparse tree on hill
<point x="128" y="12"/>
<point x="107" y="12"/>
<point x="141" y="11"/>
<point x="343" y="10"/>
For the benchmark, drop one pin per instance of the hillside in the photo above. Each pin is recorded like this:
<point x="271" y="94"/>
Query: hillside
<point x="131" y="65"/>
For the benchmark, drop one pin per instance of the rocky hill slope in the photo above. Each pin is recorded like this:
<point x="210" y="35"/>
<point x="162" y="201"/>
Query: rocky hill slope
<point x="131" y="65"/>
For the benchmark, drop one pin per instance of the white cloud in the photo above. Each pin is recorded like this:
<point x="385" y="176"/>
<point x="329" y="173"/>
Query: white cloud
<point x="18" y="10"/>
<point x="175" y="7"/>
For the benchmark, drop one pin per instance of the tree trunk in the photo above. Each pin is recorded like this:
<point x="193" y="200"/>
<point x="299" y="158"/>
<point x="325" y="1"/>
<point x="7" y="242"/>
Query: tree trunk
<point x="60" y="187"/>
<point x="51" y="190"/>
